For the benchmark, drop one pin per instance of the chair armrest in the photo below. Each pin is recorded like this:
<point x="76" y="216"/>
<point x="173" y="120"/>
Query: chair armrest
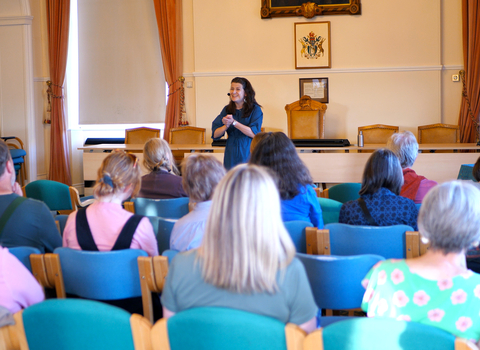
<point x="153" y="272"/>
<point x="323" y="194"/>
<point x="141" y="329"/>
<point x="318" y="241"/>
<point x="294" y="336"/>
<point x="54" y="274"/>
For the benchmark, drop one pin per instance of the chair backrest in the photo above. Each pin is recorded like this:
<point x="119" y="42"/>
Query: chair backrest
<point x="330" y="209"/>
<point x="438" y="133"/>
<point x="377" y="133"/>
<point x="345" y="192"/>
<point x="306" y="119"/>
<point x="140" y="135"/>
<point x="23" y="254"/>
<point x="166" y="208"/>
<point x="187" y="135"/>
<point x="296" y="230"/>
<point x="56" y="195"/>
<point x="219" y="328"/>
<point x="77" y="324"/>
<point x="379" y="334"/>
<point x="386" y="241"/>
<point x="170" y="254"/>
<point x="336" y="280"/>
<point x="163" y="229"/>
<point x="101" y="275"/>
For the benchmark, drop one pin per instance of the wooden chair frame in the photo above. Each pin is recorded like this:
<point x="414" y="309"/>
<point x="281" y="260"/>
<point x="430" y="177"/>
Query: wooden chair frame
<point x="153" y="271"/>
<point x="422" y="128"/>
<point x="23" y="171"/>
<point x="367" y="128"/>
<point x="47" y="270"/>
<point x="307" y="104"/>
<point x="129" y="132"/>
<point x="318" y="243"/>
<point x="187" y="128"/>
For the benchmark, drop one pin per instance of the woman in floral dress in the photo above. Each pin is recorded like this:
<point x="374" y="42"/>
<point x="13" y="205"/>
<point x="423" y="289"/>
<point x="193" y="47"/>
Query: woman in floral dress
<point x="436" y="288"/>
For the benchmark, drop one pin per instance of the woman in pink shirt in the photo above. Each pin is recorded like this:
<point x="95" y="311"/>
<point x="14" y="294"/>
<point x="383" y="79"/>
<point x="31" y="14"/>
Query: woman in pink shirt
<point x="105" y="225"/>
<point x="18" y="288"/>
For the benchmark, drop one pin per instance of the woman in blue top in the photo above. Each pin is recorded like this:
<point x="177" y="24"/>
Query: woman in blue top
<point x="242" y="119"/>
<point x="299" y="200"/>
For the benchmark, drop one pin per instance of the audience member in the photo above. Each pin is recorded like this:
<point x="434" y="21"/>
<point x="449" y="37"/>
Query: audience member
<point x="258" y="137"/>
<point x="246" y="260"/>
<point x="201" y="173"/>
<point x="163" y="181"/>
<point x="436" y="288"/>
<point x="18" y="288"/>
<point x="379" y="203"/>
<point x="28" y="222"/>
<point x="299" y="200"/>
<point x="405" y="147"/>
<point x="105" y="225"/>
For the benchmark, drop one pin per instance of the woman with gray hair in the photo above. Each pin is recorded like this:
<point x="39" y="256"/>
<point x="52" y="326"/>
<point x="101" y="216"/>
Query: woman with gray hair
<point x="200" y="175"/>
<point x="436" y="288"/>
<point x="405" y="147"/>
<point x="246" y="260"/>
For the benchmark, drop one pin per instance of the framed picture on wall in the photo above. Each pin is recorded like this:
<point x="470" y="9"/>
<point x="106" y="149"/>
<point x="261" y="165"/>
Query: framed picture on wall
<point x="312" y="45"/>
<point x="316" y="88"/>
<point x="310" y="8"/>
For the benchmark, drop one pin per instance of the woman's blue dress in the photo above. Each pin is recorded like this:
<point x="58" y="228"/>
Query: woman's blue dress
<point x="237" y="149"/>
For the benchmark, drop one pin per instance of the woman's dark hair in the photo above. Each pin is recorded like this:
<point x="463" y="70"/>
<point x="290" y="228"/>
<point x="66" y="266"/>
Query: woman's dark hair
<point x="250" y="101"/>
<point x="277" y="152"/>
<point x="382" y="170"/>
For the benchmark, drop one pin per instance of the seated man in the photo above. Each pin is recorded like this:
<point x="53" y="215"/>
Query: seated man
<point x="405" y="147"/>
<point x="23" y="222"/>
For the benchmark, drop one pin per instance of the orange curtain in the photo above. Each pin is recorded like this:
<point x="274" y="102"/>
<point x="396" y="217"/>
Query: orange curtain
<point x="169" y="21"/>
<point x="58" y="18"/>
<point x="471" y="59"/>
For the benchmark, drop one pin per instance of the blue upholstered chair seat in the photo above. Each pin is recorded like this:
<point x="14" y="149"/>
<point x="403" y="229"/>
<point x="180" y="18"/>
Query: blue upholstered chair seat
<point x="17" y="153"/>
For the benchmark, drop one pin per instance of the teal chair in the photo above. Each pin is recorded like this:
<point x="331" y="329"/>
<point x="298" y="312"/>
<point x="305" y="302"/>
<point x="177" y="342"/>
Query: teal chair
<point x="163" y="229"/>
<point x="344" y="192"/>
<point x="362" y="333"/>
<point x="330" y="210"/>
<point x="296" y="230"/>
<point x="386" y="241"/>
<point x="76" y="324"/>
<point x="212" y="328"/>
<point x="166" y="208"/>
<point x="336" y="282"/>
<point x="100" y="275"/>
<point x="23" y="254"/>
<point x="55" y="195"/>
<point x="170" y="254"/>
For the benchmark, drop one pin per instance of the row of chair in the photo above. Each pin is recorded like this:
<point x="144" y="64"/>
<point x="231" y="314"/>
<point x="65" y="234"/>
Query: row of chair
<point x="82" y="324"/>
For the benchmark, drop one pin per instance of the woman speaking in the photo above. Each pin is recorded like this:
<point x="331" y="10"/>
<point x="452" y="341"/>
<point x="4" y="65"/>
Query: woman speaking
<point x="241" y="119"/>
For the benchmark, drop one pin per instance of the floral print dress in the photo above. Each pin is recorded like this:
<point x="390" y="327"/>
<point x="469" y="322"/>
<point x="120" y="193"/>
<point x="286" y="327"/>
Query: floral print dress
<point x="451" y="304"/>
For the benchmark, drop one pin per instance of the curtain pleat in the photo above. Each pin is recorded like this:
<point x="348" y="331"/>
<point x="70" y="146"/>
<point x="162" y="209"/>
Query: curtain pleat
<point x="58" y="18"/>
<point x="169" y="21"/>
<point x="471" y="58"/>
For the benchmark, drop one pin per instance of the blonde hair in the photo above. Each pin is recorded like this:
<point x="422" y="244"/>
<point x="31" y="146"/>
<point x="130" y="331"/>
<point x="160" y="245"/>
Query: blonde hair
<point x="157" y="154"/>
<point x="245" y="242"/>
<point x="118" y="170"/>
<point x="201" y="173"/>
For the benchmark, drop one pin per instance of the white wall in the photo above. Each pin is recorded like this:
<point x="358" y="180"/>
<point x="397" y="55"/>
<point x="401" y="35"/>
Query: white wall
<point x="390" y="65"/>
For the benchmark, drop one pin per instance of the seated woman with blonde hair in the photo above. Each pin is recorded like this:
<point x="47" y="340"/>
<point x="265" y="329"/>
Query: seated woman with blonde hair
<point x="436" y="288"/>
<point x="163" y="181"/>
<point x="105" y="225"/>
<point x="246" y="260"/>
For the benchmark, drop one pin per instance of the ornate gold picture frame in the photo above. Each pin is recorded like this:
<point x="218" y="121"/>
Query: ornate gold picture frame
<point x="289" y="8"/>
<point x="312" y="45"/>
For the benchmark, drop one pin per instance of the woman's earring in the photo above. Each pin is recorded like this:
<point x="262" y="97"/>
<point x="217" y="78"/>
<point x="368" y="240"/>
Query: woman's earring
<point x="425" y="240"/>
<point x="476" y="244"/>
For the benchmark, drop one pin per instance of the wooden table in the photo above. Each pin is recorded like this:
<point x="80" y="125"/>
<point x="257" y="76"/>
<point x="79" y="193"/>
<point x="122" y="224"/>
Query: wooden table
<point x="326" y="164"/>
